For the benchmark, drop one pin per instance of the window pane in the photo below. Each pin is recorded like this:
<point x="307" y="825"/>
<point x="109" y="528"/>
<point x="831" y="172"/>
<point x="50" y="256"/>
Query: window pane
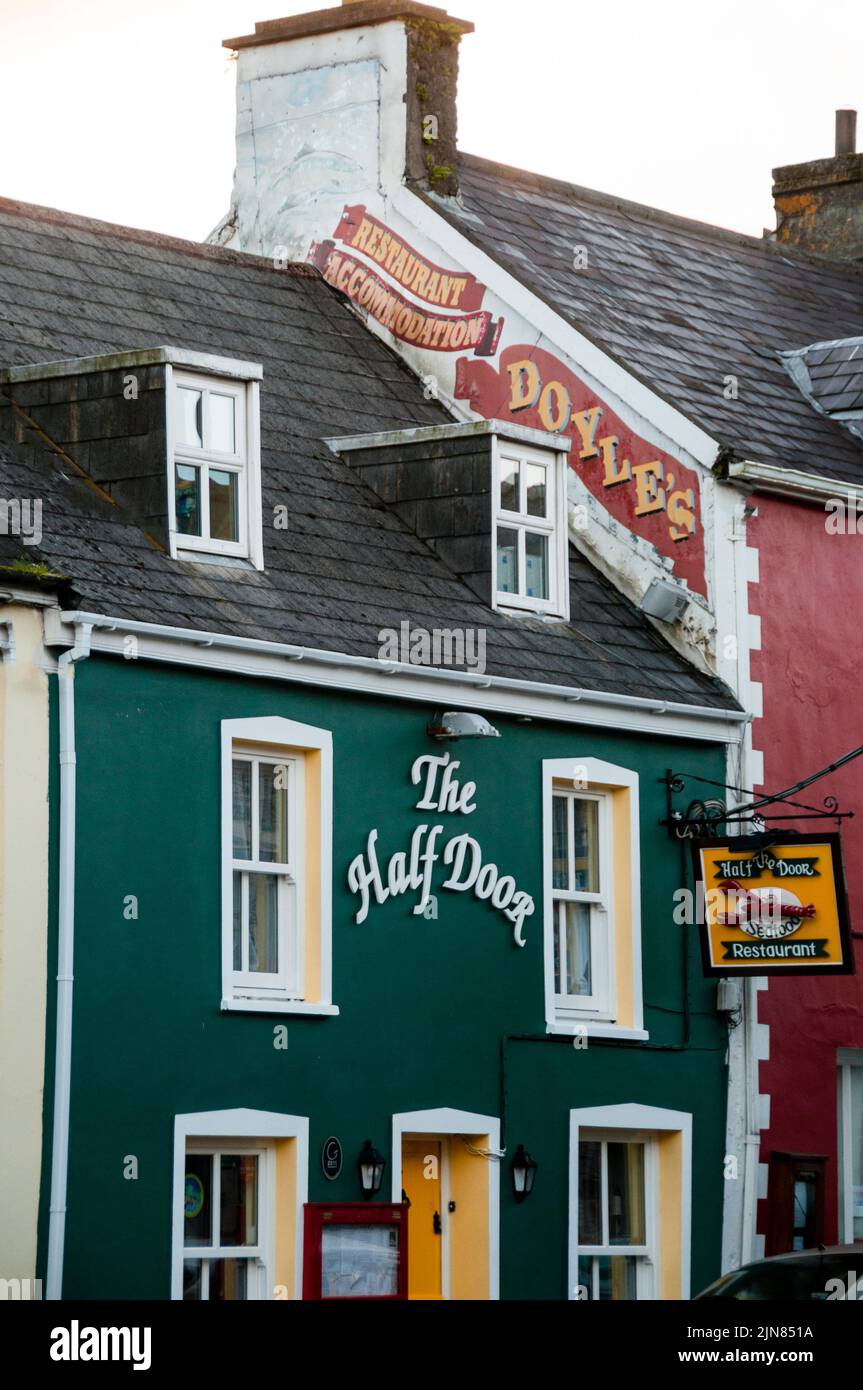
<point x="198" y="1200"/>
<point x="187" y="499"/>
<point x="536" y="564"/>
<point x="617" y="1277"/>
<point x="509" y="471"/>
<point x="239" y="1199"/>
<point x="238" y="920"/>
<point x="273" y="800"/>
<point x="263" y="923"/>
<point x="222" y="438"/>
<point x="579" y="967"/>
<point x="626" y="1194"/>
<point x="856" y="1121"/>
<point x="229" y="1280"/>
<point x="192" y="1274"/>
<point x="224" y="522"/>
<point x="359" y="1261"/>
<point x="559" y="843"/>
<point x="589" y="1192"/>
<point x="188" y="425"/>
<point x="586" y="846"/>
<point x="507" y="560"/>
<point x="536" y="490"/>
<point x="242" y="787"/>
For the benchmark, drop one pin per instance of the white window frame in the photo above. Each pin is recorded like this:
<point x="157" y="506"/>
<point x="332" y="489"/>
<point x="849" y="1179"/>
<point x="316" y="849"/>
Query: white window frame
<point x="849" y="1060"/>
<point x="625" y="1122"/>
<point x="287" y="983"/>
<point x="280" y="741"/>
<point x="553" y="526"/>
<point x="646" y="1255"/>
<point x="597" y="1014"/>
<point x="259" y="1257"/>
<point x="601" y="1003"/>
<point x="245" y="461"/>
<point x="242" y="1130"/>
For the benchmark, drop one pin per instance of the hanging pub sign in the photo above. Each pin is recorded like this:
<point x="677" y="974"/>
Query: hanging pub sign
<point x="773" y="907"/>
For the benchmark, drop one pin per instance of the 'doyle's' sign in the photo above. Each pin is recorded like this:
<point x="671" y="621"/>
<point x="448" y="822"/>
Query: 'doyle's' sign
<point x="412" y="870"/>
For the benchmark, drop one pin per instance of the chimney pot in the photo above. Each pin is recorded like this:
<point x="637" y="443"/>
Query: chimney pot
<point x="846" y="131"/>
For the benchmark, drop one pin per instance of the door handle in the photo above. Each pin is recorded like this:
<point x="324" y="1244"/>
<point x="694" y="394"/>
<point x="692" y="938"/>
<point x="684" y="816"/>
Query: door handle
<point x="436" y="1226"/>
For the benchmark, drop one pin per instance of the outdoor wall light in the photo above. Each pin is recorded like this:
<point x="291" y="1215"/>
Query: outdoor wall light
<point x="455" y="724"/>
<point x="664" y="601"/>
<point x="523" y="1173"/>
<point x="370" y="1166"/>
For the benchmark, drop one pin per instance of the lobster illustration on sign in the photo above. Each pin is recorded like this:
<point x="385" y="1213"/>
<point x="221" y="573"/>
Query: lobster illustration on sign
<point x="765" y="913"/>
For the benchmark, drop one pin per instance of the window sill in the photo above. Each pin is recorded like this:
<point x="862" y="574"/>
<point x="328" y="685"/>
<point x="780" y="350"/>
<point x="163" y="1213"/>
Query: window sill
<point x="591" y="1028"/>
<point x="279" y="1006"/>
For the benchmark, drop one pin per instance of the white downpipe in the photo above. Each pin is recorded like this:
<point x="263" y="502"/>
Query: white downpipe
<point x="65" y="958"/>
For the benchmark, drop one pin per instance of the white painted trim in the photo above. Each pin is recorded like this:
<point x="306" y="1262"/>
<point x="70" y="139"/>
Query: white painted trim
<point x="848" y="1059"/>
<point x="277" y="732"/>
<point x="145" y="357"/>
<point x="503" y="429"/>
<point x="597" y="774"/>
<point x="279" y="1006"/>
<point x="642" y="1118"/>
<point x="396" y="680"/>
<point x="793" y="482"/>
<point x="237" y="1124"/>
<point x="448" y="1121"/>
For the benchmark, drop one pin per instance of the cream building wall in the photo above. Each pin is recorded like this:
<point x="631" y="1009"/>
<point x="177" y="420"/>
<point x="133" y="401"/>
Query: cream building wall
<point x="23" y="931"/>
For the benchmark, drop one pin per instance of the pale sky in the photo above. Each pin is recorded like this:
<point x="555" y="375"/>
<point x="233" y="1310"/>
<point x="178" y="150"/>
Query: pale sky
<point x="126" y="111"/>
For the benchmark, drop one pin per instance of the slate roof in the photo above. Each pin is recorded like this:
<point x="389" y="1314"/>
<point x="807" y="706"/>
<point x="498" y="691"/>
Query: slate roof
<point x="830" y="376"/>
<point x="680" y="304"/>
<point x="346" y="567"/>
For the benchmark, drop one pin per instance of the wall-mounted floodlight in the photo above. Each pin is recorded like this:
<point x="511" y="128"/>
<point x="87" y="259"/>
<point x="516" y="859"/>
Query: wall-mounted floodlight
<point x="664" y="601"/>
<point x="456" y="724"/>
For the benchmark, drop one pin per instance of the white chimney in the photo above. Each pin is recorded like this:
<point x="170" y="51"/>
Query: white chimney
<point x="339" y="107"/>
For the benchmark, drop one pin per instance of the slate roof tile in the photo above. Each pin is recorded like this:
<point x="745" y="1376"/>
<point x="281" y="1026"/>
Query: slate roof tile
<point x="346" y="567"/>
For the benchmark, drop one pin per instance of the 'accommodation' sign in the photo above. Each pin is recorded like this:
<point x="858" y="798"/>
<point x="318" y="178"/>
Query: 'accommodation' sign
<point x="412" y="870"/>
<point x="773" y="908"/>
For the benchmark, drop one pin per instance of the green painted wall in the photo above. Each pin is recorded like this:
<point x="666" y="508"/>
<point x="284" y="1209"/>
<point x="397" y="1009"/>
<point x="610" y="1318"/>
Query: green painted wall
<point x="423" y="1003"/>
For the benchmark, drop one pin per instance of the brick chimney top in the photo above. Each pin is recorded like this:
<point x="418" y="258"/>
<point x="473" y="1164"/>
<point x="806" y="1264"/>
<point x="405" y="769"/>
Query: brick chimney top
<point x="819" y="204"/>
<point x="352" y="14"/>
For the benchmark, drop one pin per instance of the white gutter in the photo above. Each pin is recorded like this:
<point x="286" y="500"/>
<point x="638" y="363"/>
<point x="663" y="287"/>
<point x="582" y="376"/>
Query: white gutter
<point x="392" y="679"/>
<point x="65" y="958"/>
<point x="790" y="482"/>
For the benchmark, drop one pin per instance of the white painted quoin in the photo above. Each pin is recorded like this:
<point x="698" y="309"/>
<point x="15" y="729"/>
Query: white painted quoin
<point x="323" y="104"/>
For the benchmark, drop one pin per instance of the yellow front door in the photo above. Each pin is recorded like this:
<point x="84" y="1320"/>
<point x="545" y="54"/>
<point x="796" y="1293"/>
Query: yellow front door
<point x="421" y="1180"/>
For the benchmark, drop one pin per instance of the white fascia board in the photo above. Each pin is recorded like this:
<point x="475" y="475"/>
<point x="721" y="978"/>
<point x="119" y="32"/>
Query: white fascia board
<point x="791" y="482"/>
<point x="145" y="357"/>
<point x="658" y="421"/>
<point x="430" y="434"/>
<point x="396" y="680"/>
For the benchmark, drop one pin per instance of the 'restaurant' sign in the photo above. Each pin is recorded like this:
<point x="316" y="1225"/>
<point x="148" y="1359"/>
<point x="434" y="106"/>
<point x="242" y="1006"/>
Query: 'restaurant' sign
<point x="431" y="323"/>
<point x="773" y="909"/>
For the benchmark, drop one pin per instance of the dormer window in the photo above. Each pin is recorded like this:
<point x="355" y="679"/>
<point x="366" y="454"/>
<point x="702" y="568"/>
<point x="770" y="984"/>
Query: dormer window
<point x="214" y="467"/>
<point x="530" y="531"/>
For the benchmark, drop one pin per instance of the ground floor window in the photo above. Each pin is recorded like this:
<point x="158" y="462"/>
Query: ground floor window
<point x="615" y="1258"/>
<point x="851" y="1144"/>
<point x="240" y="1186"/>
<point x="630" y="1203"/>
<point x="223" y="1215"/>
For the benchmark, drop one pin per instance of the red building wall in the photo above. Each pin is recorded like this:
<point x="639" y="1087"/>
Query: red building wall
<point x="810" y="601"/>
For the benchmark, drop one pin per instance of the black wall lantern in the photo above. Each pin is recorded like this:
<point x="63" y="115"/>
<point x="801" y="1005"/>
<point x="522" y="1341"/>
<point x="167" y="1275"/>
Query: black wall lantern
<point x="523" y="1173"/>
<point x="370" y="1166"/>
